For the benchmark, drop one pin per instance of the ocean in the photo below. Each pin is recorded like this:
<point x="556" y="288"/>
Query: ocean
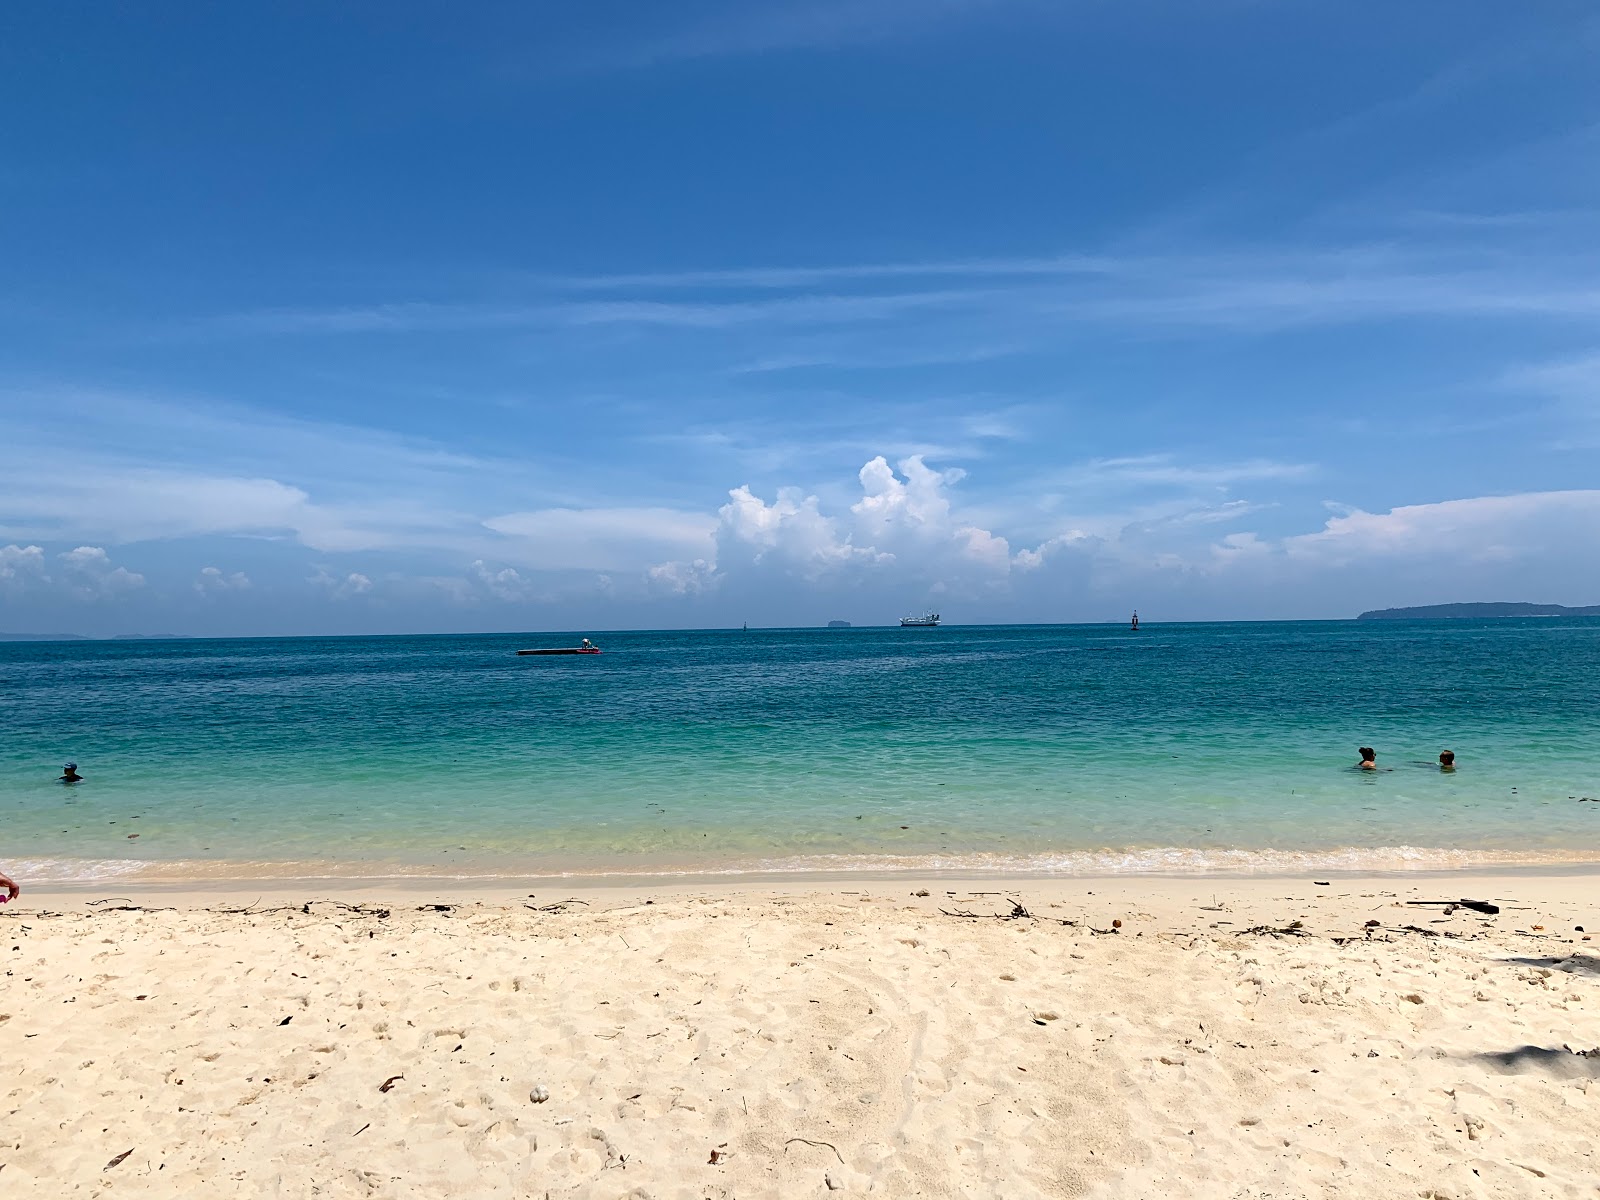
<point x="1029" y="749"/>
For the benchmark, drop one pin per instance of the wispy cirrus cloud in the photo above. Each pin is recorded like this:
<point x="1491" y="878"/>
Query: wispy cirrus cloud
<point x="966" y="311"/>
<point x="1167" y="470"/>
<point x="1573" y="385"/>
<point x="773" y="26"/>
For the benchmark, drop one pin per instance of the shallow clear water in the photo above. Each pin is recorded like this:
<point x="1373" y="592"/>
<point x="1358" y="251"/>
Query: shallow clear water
<point x="1015" y="747"/>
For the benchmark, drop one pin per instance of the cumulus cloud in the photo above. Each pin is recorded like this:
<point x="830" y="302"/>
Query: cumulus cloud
<point x="341" y="588"/>
<point x="90" y="575"/>
<point x="20" y="564"/>
<point x="213" y="581"/>
<point x="903" y="520"/>
<point x="681" y="579"/>
<point x="505" y="584"/>
<point x="905" y="533"/>
<point x="790" y="535"/>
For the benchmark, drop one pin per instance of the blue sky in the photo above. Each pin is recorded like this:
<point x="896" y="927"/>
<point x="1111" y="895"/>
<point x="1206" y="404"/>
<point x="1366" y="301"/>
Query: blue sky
<point x="394" y="317"/>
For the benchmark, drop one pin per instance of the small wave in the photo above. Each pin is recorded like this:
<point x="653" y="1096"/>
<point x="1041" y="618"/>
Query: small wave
<point x="75" y="870"/>
<point x="1167" y="860"/>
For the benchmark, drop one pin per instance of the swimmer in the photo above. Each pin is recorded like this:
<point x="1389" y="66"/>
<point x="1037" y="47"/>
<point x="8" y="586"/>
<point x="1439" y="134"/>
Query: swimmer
<point x="1369" y="759"/>
<point x="1447" y="760"/>
<point x="69" y="774"/>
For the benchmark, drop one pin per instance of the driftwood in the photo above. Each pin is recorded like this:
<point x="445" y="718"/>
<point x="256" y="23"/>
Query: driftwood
<point x="1482" y="906"/>
<point x="1292" y="929"/>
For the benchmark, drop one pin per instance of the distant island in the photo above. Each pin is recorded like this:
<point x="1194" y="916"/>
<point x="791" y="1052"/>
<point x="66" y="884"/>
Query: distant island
<point x="1427" y="611"/>
<point x="838" y="624"/>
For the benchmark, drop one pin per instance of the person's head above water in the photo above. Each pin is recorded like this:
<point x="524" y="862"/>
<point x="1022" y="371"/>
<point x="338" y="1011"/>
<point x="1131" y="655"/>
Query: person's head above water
<point x="69" y="773"/>
<point x="1369" y="758"/>
<point x="1447" y="760"/>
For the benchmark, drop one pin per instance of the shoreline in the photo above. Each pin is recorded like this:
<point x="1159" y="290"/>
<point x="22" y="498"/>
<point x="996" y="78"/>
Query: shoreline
<point x="71" y="875"/>
<point x="1567" y="883"/>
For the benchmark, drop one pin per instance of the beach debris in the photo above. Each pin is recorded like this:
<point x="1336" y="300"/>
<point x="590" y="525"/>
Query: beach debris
<point x="819" y="1145"/>
<point x="1412" y="998"/>
<point x="560" y="906"/>
<point x="1590" y="1053"/>
<point x="1045" y="1016"/>
<point x="539" y="1094"/>
<point x="719" y="1155"/>
<point x="921" y="893"/>
<point x="286" y="1020"/>
<point x="1320" y="882"/>
<point x="1017" y="913"/>
<point x="390" y="1082"/>
<point x="1292" y="929"/>
<point x="832" y="1182"/>
<point x="362" y="1130"/>
<point x="1482" y="906"/>
<point x="118" y="1159"/>
<point x="1117" y="924"/>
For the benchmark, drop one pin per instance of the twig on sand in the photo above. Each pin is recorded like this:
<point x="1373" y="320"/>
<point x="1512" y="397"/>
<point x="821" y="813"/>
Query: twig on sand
<point x="1017" y="913"/>
<point x="1292" y="929"/>
<point x="819" y="1145"/>
<point x="107" y="900"/>
<point x="558" y="907"/>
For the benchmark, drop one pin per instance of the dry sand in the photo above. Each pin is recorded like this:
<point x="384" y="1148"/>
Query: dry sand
<point x="789" y="1042"/>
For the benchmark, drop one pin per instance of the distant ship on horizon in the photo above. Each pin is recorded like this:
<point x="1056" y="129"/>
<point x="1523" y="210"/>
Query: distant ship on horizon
<point x="926" y="621"/>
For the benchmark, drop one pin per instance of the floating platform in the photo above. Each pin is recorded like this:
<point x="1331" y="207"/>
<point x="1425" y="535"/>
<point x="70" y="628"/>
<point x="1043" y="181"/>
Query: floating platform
<point x="565" y="650"/>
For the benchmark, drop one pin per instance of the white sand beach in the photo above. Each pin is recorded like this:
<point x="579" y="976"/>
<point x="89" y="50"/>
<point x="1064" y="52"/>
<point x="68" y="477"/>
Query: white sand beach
<point x="1133" y="1037"/>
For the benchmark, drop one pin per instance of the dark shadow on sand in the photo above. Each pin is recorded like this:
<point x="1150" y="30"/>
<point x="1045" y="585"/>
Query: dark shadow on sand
<point x="1558" y="1063"/>
<point x="1570" y="964"/>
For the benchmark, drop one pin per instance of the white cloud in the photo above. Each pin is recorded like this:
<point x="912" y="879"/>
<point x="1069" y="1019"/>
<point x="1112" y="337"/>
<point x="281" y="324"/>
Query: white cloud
<point x="20" y="564"/>
<point x="682" y="579"/>
<point x="1497" y="529"/>
<point x="90" y="575"/>
<point x="504" y="584"/>
<point x="903" y="524"/>
<point x="341" y="588"/>
<point x="790" y="535"/>
<point x="213" y="581"/>
<point x="1164" y="470"/>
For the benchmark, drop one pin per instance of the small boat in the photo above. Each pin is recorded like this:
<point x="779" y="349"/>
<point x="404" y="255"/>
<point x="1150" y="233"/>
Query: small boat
<point x="926" y="621"/>
<point x="586" y="648"/>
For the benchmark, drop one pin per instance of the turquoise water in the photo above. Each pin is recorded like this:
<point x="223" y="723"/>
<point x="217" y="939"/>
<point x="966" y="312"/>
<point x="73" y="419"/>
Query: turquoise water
<point x="1029" y="748"/>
